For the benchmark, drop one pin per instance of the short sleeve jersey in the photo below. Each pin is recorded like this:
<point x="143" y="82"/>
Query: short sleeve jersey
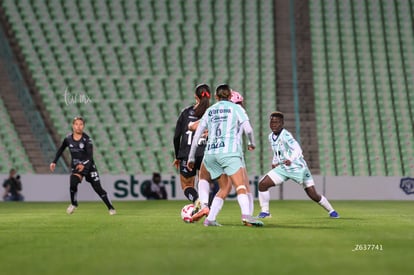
<point x="223" y="120"/>
<point x="183" y="137"/>
<point x="283" y="146"/>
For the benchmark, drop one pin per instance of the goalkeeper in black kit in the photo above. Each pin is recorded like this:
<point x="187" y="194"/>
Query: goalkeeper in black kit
<point x="81" y="151"/>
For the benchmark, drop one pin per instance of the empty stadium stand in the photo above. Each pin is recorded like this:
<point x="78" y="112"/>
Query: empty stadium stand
<point x="363" y="86"/>
<point x="129" y="67"/>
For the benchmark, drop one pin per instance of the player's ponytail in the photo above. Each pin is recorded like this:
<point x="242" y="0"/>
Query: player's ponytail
<point x="203" y="92"/>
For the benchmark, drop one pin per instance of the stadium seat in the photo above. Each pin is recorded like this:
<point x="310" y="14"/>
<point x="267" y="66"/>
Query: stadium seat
<point x="12" y="153"/>
<point x="373" y="76"/>
<point x="139" y="62"/>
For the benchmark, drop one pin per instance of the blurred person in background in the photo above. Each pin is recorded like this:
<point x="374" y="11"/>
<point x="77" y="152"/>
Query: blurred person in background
<point x="156" y="190"/>
<point x="13" y="187"/>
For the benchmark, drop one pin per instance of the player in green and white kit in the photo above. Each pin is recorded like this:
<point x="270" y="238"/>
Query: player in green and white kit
<point x="223" y="154"/>
<point x="287" y="163"/>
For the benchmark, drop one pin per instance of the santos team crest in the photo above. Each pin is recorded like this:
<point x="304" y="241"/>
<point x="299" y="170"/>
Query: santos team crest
<point x="407" y="185"/>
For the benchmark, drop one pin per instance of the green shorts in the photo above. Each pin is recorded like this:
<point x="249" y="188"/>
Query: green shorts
<point x="301" y="176"/>
<point x="227" y="164"/>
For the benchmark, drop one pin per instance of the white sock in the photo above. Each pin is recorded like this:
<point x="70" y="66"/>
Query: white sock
<point x="215" y="208"/>
<point x="244" y="203"/>
<point x="325" y="204"/>
<point x="203" y="191"/>
<point x="251" y="203"/>
<point x="264" y="198"/>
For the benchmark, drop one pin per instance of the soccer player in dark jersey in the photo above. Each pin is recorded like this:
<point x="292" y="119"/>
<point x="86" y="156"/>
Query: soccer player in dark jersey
<point x="183" y="138"/>
<point x="83" y="165"/>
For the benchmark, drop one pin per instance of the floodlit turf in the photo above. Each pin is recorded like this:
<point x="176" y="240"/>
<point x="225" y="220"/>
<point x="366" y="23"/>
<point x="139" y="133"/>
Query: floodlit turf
<point x="148" y="237"/>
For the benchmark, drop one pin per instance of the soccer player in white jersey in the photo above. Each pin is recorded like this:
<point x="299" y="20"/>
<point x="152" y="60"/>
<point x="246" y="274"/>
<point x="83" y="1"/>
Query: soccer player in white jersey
<point x="287" y="163"/>
<point x="237" y="98"/>
<point x="223" y="154"/>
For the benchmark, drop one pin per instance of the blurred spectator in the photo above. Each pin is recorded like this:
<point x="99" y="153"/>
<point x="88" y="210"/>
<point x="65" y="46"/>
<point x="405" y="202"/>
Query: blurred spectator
<point x="156" y="189"/>
<point x="13" y="187"/>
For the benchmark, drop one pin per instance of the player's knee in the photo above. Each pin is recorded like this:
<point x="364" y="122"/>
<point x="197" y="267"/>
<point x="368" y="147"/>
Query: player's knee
<point x="262" y="187"/>
<point x="204" y="174"/>
<point x="222" y="194"/>
<point x="265" y="183"/>
<point x="241" y="189"/>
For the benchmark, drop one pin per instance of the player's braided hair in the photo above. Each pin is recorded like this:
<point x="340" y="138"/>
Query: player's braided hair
<point x="203" y="92"/>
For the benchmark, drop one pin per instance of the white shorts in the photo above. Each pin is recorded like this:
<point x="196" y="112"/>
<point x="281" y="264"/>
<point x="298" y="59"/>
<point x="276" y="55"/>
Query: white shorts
<point x="303" y="176"/>
<point x="227" y="164"/>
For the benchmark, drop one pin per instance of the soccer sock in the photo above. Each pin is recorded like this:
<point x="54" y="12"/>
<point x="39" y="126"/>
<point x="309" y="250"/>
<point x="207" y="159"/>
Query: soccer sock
<point x="191" y="194"/>
<point x="251" y="203"/>
<point x="325" y="204"/>
<point x="264" y="198"/>
<point x="244" y="204"/>
<point x="107" y="202"/>
<point x="74" y="181"/>
<point x="215" y="208"/>
<point x="96" y="185"/>
<point x="203" y="191"/>
<point x="73" y="196"/>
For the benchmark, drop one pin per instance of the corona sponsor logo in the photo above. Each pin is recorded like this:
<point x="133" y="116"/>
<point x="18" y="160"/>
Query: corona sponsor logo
<point x="219" y="111"/>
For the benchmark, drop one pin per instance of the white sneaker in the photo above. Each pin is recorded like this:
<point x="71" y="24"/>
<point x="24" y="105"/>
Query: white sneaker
<point x="112" y="212"/>
<point x="71" y="208"/>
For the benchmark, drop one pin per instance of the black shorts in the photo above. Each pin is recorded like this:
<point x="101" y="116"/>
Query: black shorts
<point x="91" y="174"/>
<point x="185" y="172"/>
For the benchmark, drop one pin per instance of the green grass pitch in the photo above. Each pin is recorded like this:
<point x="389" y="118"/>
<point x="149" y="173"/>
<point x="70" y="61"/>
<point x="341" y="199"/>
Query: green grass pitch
<point x="148" y="237"/>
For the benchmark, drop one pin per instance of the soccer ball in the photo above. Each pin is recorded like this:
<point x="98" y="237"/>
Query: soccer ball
<point x="187" y="213"/>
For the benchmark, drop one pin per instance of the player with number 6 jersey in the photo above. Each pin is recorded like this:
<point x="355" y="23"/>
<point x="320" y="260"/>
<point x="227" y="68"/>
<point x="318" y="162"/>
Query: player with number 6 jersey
<point x="223" y="154"/>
